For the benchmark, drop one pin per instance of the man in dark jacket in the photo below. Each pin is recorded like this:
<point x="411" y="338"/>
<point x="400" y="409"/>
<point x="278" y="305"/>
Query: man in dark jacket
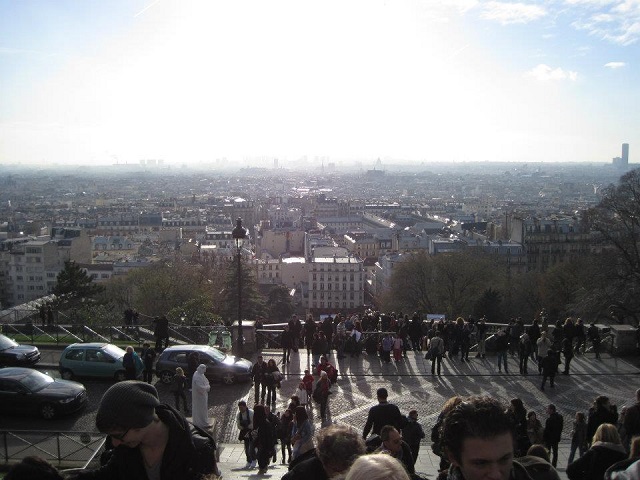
<point x="384" y="413"/>
<point x="258" y="372"/>
<point x="478" y="437"/>
<point x="394" y="445"/>
<point x="148" y="356"/>
<point x="552" y="432"/>
<point x="150" y="439"/>
<point x="337" y="446"/>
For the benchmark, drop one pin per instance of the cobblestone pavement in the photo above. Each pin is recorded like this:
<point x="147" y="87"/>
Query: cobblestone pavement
<point x="411" y="386"/>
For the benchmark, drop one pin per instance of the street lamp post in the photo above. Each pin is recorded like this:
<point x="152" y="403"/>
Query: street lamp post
<point x="239" y="234"/>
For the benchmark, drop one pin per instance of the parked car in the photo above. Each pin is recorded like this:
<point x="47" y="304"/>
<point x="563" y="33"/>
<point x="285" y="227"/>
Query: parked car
<point x="221" y="367"/>
<point x="92" y="360"/>
<point x="14" y="354"/>
<point x="23" y="390"/>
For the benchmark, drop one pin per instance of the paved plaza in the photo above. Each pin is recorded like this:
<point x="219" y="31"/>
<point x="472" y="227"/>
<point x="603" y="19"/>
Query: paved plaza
<point x="411" y="386"/>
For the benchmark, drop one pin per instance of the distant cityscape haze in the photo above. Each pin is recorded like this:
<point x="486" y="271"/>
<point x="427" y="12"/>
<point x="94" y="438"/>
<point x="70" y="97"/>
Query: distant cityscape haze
<point x="200" y="83"/>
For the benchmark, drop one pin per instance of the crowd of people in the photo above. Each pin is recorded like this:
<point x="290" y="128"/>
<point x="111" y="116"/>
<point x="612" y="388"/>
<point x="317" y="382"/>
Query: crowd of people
<point x="391" y="336"/>
<point x="475" y="437"/>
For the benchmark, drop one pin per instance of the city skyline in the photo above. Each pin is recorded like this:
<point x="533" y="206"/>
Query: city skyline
<point x="98" y="83"/>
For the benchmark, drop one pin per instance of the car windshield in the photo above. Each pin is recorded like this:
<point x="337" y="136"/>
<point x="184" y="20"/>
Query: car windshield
<point x="36" y="381"/>
<point x="6" y="342"/>
<point x="216" y="354"/>
<point x="115" y="352"/>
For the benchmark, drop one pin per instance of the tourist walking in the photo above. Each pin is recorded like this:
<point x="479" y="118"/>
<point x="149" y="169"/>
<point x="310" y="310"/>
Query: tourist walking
<point x="553" y="432"/>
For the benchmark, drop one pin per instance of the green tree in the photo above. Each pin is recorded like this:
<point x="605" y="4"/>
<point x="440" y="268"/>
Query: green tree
<point x="73" y="282"/>
<point x="489" y="305"/>
<point x="279" y="303"/>
<point x="252" y="302"/>
<point x="196" y="311"/>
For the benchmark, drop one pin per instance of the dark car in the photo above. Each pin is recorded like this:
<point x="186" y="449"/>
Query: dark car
<point x="220" y="366"/>
<point x="27" y="391"/>
<point x="14" y="354"/>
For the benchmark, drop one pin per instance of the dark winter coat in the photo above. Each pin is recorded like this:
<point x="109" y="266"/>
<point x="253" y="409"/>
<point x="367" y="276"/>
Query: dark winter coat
<point x="187" y="455"/>
<point x="553" y="428"/>
<point x="593" y="464"/>
<point x="412" y="433"/>
<point x="597" y="417"/>
<point x="381" y="415"/>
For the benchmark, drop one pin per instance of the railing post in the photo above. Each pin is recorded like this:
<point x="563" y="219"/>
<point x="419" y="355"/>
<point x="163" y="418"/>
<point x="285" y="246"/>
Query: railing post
<point x="58" y="445"/>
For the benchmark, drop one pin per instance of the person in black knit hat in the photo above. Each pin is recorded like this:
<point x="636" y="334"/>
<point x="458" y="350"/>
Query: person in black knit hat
<point x="150" y="439"/>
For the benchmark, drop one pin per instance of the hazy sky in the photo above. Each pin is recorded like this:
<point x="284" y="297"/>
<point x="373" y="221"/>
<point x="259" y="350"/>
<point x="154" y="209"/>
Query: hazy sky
<point x="95" y="81"/>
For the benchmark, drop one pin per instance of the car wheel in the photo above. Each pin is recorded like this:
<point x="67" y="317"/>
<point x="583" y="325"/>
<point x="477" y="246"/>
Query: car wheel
<point x="67" y="374"/>
<point x="166" y="377"/>
<point x="228" y="378"/>
<point x="120" y="376"/>
<point x="47" y="411"/>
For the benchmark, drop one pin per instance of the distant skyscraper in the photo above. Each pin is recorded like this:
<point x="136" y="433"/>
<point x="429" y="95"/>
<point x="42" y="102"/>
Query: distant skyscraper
<point x="625" y="154"/>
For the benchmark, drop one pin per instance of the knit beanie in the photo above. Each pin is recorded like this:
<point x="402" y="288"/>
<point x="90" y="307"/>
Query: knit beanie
<point x="128" y="404"/>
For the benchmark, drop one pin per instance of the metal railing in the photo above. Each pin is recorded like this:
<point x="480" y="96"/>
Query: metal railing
<point x="62" y="449"/>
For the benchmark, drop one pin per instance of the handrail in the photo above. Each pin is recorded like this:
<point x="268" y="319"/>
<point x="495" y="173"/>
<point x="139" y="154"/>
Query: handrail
<point x="72" y="449"/>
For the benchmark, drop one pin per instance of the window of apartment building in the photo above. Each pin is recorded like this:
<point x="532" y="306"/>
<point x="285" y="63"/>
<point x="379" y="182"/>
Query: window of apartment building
<point x="104" y="275"/>
<point x="20" y="296"/>
<point x="351" y="295"/>
<point x="315" y="305"/>
<point x="329" y="286"/>
<point x="329" y="304"/>
<point x="38" y="278"/>
<point x="94" y="276"/>
<point x="18" y="268"/>
<point x="19" y="278"/>
<point x="314" y="276"/>
<point x="322" y="295"/>
<point x="314" y="295"/>
<point x="20" y="287"/>
<point x="32" y="278"/>
<point x="344" y="295"/>
<point x="322" y="286"/>
<point x="344" y="277"/>
<point x="277" y="274"/>
<point x="270" y="267"/>
<point x="344" y="286"/>
<point x="40" y="287"/>
<point x="33" y="250"/>
<point x="32" y="287"/>
<point x="351" y="277"/>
